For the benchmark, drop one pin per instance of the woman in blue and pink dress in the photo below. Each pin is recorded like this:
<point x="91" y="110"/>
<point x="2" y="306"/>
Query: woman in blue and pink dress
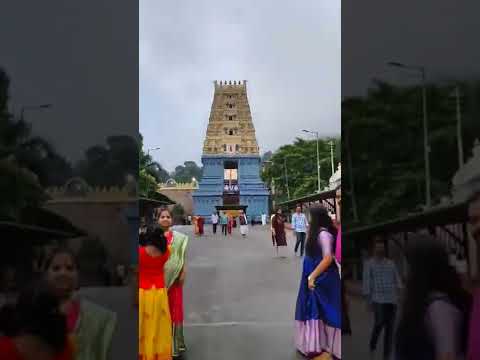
<point x="318" y="311"/>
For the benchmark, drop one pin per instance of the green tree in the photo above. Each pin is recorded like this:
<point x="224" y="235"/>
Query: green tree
<point x="109" y="165"/>
<point x="19" y="184"/>
<point x="383" y="137"/>
<point x="184" y="173"/>
<point x="298" y="161"/>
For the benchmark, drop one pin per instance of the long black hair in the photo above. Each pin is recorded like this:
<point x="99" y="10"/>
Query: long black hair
<point x="37" y="313"/>
<point x="155" y="236"/>
<point x="319" y="219"/>
<point x="429" y="272"/>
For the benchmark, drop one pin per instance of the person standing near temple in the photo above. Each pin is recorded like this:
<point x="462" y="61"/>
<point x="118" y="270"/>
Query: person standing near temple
<point x="223" y="222"/>
<point x="318" y="309"/>
<point x="243" y="223"/>
<point x="264" y="219"/>
<point x="299" y="225"/>
<point x="229" y="223"/>
<point x="154" y="324"/>
<point x="200" y="223"/>
<point x="381" y="286"/>
<point x="175" y="270"/>
<point x="271" y="229"/>
<point x="278" y="231"/>
<point x="214" y="219"/>
<point x="195" y="225"/>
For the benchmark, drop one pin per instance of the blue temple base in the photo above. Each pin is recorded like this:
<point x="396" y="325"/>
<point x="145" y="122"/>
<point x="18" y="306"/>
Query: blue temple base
<point x="251" y="190"/>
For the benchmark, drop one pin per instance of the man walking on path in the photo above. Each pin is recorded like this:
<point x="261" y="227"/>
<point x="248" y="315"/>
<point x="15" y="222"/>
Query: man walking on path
<point x="223" y="222"/>
<point x="214" y="222"/>
<point x="243" y="223"/>
<point x="381" y="285"/>
<point x="300" y="225"/>
<point x="264" y="219"/>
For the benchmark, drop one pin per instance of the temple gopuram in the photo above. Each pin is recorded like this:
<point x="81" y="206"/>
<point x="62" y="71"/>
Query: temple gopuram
<point x="231" y="160"/>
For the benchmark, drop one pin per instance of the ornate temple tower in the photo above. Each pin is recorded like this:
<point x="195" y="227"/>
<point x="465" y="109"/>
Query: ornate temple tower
<point x="231" y="160"/>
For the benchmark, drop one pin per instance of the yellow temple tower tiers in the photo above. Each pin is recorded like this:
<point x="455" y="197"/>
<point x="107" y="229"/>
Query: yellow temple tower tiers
<point x="230" y="128"/>
<point x="231" y="160"/>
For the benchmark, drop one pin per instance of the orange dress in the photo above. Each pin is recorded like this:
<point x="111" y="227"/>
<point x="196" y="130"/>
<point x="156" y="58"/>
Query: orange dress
<point x="155" y="325"/>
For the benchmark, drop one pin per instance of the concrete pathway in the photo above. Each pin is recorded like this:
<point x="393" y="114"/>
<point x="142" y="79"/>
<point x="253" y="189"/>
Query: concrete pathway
<point x="239" y="298"/>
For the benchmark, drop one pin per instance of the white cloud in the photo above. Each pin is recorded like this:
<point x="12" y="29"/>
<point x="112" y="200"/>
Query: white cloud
<point x="290" y="55"/>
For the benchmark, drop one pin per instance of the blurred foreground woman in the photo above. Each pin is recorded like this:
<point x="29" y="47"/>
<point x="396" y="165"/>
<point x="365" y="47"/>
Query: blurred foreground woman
<point x="90" y="326"/>
<point x="318" y="311"/>
<point x="434" y="320"/>
<point x="34" y="328"/>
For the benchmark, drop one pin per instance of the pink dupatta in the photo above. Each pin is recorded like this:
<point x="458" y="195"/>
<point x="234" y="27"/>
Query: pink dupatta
<point x="338" y="247"/>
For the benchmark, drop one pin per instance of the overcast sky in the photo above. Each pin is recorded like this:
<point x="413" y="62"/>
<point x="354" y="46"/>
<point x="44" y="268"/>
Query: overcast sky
<point x="441" y="35"/>
<point x="82" y="57"/>
<point x="289" y="54"/>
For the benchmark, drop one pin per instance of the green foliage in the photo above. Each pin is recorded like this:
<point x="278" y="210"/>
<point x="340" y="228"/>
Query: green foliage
<point x="300" y="159"/>
<point x="152" y="168"/>
<point x="147" y="184"/>
<point x="109" y="165"/>
<point x="20" y="185"/>
<point x="184" y="173"/>
<point x="20" y="188"/>
<point x="32" y="153"/>
<point x="383" y="134"/>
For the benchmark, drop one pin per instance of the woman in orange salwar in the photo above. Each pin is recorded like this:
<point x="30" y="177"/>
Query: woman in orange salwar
<point x="155" y="325"/>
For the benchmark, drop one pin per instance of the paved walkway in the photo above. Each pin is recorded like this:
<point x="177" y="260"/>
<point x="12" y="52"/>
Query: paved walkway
<point x="239" y="299"/>
<point x="239" y="302"/>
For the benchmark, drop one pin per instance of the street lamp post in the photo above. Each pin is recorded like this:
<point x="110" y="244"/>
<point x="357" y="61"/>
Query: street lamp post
<point x="318" y="156"/>
<point x="426" y="148"/>
<point x="286" y="177"/>
<point x="331" y="157"/>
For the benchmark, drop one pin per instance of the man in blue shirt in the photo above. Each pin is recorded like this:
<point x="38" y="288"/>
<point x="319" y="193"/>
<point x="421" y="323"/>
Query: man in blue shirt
<point x="299" y="225"/>
<point x="381" y="286"/>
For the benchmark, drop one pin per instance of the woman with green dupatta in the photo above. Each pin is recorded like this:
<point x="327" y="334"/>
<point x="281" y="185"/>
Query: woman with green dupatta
<point x="174" y="278"/>
<point x="90" y="326"/>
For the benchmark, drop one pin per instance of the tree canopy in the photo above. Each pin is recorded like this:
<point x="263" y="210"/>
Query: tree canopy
<point x="298" y="162"/>
<point x="186" y="172"/>
<point x="383" y="137"/>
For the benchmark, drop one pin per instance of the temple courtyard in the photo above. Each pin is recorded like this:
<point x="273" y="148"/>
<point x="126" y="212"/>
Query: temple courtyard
<point x="239" y="301"/>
